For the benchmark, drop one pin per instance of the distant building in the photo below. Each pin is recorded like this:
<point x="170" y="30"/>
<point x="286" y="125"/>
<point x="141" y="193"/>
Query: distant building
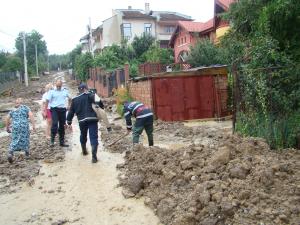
<point x="187" y="33"/>
<point x="128" y="23"/>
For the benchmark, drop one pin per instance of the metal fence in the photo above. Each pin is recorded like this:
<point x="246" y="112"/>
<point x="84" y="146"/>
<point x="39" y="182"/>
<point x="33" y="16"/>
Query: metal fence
<point x="8" y="80"/>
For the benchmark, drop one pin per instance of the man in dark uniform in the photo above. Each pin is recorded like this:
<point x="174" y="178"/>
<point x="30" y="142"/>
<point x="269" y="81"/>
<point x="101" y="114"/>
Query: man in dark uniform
<point x="57" y="100"/>
<point x="82" y="106"/>
<point x="144" y="120"/>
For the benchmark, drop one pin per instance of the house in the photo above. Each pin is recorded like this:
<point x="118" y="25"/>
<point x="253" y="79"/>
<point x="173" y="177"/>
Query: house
<point x="125" y="24"/>
<point x="221" y="26"/>
<point x="187" y="33"/>
<point x="97" y="39"/>
<point x="85" y="43"/>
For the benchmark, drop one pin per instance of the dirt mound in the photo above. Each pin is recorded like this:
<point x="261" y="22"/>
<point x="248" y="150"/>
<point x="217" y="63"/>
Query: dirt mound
<point x="238" y="181"/>
<point x="25" y="169"/>
<point x="109" y="137"/>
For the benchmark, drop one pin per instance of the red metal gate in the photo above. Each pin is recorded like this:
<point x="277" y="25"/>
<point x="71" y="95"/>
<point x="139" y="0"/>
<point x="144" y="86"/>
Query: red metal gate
<point x="183" y="98"/>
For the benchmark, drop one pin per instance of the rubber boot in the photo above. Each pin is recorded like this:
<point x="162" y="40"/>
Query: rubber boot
<point x="10" y="157"/>
<point x="94" y="153"/>
<point x="62" y="142"/>
<point x="84" y="150"/>
<point x="151" y="143"/>
<point x="52" y="140"/>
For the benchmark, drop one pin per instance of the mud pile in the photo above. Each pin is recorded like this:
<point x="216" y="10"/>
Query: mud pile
<point x="237" y="181"/>
<point x="124" y="144"/>
<point x="26" y="169"/>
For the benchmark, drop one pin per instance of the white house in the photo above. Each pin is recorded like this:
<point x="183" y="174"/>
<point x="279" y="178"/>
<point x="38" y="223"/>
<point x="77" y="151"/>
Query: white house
<point x="128" y="23"/>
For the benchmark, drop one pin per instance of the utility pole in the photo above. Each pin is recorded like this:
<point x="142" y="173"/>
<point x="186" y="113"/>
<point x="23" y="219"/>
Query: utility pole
<point x="48" y="63"/>
<point x="36" y="61"/>
<point x="25" y="61"/>
<point x="91" y="37"/>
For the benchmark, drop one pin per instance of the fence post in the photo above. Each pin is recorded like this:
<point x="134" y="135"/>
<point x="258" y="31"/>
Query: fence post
<point x="234" y="95"/>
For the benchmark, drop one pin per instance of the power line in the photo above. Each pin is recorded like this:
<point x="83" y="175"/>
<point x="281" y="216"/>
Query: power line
<point x="8" y="34"/>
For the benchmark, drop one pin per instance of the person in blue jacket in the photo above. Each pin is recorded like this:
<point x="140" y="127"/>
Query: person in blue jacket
<point x="144" y="120"/>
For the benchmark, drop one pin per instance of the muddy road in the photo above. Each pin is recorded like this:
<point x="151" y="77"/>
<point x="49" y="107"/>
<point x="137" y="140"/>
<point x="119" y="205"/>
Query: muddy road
<point x="197" y="173"/>
<point x="66" y="188"/>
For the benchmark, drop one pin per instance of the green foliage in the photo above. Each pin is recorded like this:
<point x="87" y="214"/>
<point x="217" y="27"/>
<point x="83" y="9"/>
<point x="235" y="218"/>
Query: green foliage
<point x="13" y="63"/>
<point x="134" y="68"/>
<point x="73" y="54"/>
<point x="3" y="58"/>
<point x="155" y="54"/>
<point x="33" y="38"/>
<point x="82" y="64"/>
<point x="142" y="44"/>
<point x="122" y="95"/>
<point x="263" y="46"/>
<point x="205" y="53"/>
<point x="114" y="56"/>
<point x="59" y="61"/>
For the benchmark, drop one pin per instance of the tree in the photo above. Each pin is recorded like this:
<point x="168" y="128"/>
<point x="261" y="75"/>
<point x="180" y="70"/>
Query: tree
<point x="263" y="46"/>
<point x="142" y="44"/>
<point x="3" y="58"/>
<point x="82" y="64"/>
<point x="13" y="63"/>
<point x="33" y="38"/>
<point x="205" y="53"/>
<point x="156" y="54"/>
<point x="59" y="61"/>
<point x="114" y="56"/>
<point x="73" y="54"/>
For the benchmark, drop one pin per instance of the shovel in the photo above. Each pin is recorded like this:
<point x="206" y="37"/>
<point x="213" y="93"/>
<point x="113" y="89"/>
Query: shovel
<point x="118" y="139"/>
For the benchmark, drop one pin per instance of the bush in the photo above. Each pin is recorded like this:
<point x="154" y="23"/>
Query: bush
<point x="82" y="64"/>
<point x="155" y="54"/>
<point x="122" y="95"/>
<point x="205" y="53"/>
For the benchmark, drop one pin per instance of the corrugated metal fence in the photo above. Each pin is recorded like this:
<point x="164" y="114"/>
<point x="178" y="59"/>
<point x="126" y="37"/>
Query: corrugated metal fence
<point x="7" y="80"/>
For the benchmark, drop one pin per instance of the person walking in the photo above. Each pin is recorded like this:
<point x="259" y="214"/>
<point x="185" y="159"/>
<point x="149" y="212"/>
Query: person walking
<point x="144" y="120"/>
<point x="57" y="100"/>
<point x="100" y="112"/>
<point x="18" y="120"/>
<point x="81" y="105"/>
<point x="46" y="112"/>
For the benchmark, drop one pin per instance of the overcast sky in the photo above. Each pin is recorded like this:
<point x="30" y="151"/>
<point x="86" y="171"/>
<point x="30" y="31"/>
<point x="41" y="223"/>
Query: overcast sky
<point x="63" y="22"/>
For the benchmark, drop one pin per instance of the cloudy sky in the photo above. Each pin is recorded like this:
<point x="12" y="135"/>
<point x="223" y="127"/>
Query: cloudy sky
<point x="63" y="22"/>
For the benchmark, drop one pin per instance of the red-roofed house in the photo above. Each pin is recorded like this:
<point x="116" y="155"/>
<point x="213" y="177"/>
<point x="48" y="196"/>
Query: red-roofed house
<point x="187" y="33"/>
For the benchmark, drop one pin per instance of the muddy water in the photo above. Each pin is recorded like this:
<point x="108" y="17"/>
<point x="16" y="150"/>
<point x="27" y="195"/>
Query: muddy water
<point x="76" y="192"/>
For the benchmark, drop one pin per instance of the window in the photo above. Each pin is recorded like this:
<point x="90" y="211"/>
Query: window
<point x="126" y="30"/>
<point x="147" y="28"/>
<point x="184" y="39"/>
<point x="169" y="29"/>
<point x="181" y="40"/>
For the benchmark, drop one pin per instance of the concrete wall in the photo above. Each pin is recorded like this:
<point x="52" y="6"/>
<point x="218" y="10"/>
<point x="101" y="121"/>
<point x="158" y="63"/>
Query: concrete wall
<point x="112" y="31"/>
<point x="141" y="91"/>
<point x="137" y="27"/>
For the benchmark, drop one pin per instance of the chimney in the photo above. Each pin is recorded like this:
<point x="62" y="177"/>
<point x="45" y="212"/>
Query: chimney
<point x="147" y="8"/>
<point x="129" y="7"/>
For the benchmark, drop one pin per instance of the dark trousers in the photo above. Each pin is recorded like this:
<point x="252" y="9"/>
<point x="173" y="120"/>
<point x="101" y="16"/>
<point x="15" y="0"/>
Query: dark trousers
<point x="92" y="127"/>
<point x="58" y="123"/>
<point x="141" y="124"/>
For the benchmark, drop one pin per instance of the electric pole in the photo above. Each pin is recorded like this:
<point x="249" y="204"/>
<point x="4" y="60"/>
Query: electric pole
<point x="25" y="61"/>
<point x="48" y="63"/>
<point x="36" y="61"/>
<point x="91" y="37"/>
